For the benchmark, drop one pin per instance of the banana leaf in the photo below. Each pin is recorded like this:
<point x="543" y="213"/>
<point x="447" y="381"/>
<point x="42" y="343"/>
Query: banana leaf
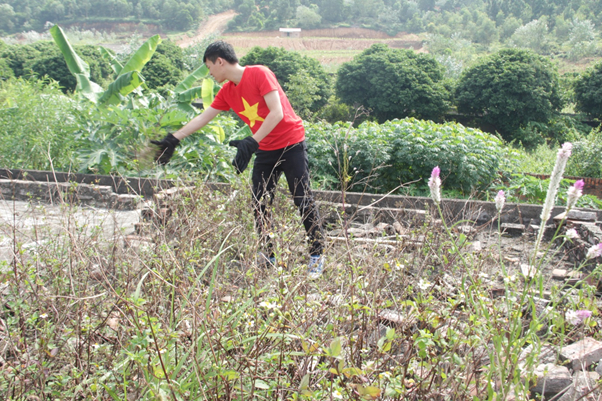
<point x="115" y="64"/>
<point x="186" y="108"/>
<point x="189" y="95"/>
<point x="220" y="134"/>
<point x="122" y="86"/>
<point x="78" y="67"/>
<point x="207" y="92"/>
<point x="142" y="55"/>
<point x="187" y="83"/>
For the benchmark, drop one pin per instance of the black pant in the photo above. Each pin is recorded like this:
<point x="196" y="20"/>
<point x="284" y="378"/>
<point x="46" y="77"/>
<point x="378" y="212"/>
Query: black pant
<point x="267" y="169"/>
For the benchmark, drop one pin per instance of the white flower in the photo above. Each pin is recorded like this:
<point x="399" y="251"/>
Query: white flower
<point x="574" y="193"/>
<point x="423" y="284"/>
<point x="337" y="394"/>
<point x="594" y="252"/>
<point x="500" y="199"/>
<point x="555" y="178"/>
<point x="571" y="233"/>
<point x="44" y="315"/>
<point x="268" y="305"/>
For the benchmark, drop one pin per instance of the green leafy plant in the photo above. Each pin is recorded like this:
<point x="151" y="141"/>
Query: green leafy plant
<point x="384" y="156"/>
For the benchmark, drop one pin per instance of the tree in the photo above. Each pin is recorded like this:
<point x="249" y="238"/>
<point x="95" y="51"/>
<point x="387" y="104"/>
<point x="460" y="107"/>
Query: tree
<point x="509" y="89"/>
<point x="582" y="39"/>
<point x="19" y="58"/>
<point x="51" y="64"/>
<point x="160" y="71"/>
<point x="394" y="84"/>
<point x="588" y="91"/>
<point x="7" y="14"/>
<point x="308" y="18"/>
<point x="286" y="64"/>
<point x="533" y="35"/>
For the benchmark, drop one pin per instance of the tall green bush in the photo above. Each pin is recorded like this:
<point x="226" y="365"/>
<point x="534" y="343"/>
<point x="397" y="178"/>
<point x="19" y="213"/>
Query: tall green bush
<point x="384" y="156"/>
<point x="585" y="160"/>
<point x="36" y="125"/>
<point x="588" y="91"/>
<point x="394" y="84"/>
<point x="510" y="89"/>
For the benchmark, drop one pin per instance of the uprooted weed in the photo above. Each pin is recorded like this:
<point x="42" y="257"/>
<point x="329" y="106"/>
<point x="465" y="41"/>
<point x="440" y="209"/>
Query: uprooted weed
<point x="188" y="315"/>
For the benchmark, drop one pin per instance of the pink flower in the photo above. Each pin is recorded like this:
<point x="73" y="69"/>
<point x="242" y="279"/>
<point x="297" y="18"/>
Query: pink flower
<point x="565" y="151"/>
<point x="577" y="317"/>
<point x="571" y="233"/>
<point x="435" y="184"/>
<point x="594" y="252"/>
<point x="500" y="199"/>
<point x="574" y="193"/>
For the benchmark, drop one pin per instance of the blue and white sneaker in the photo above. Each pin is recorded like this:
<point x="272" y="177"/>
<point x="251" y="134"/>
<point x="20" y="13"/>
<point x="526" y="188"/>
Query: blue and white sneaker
<point x="315" y="267"/>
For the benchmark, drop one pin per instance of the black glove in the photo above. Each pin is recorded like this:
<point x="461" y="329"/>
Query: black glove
<point x="246" y="148"/>
<point x="166" y="146"/>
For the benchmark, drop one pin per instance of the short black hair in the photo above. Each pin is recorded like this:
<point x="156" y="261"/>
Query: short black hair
<point x="220" y="49"/>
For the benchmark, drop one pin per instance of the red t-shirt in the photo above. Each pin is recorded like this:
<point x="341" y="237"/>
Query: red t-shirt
<point x="246" y="99"/>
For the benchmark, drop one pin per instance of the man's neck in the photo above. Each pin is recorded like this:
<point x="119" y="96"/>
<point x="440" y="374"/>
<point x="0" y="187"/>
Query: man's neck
<point x="234" y="73"/>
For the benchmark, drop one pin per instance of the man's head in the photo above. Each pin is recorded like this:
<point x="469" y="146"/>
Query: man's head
<point x="220" y="49"/>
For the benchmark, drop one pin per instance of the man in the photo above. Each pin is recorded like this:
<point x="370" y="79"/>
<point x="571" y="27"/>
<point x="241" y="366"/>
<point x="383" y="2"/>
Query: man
<point x="278" y="142"/>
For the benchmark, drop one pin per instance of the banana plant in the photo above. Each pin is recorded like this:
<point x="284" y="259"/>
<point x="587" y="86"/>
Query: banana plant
<point x="185" y="93"/>
<point x="128" y="76"/>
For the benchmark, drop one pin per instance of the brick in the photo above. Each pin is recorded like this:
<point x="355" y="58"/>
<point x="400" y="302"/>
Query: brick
<point x="584" y="387"/>
<point x="573" y="277"/>
<point x="578" y="215"/>
<point x="551" y="379"/>
<point x="582" y="353"/>
<point x="513" y="230"/>
<point x="559" y="274"/>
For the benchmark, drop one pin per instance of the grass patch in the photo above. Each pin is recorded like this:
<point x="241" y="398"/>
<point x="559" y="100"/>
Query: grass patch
<point x="188" y="315"/>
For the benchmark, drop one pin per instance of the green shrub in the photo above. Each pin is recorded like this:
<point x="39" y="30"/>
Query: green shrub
<point x="36" y="125"/>
<point x="5" y="71"/>
<point x="585" y="160"/>
<point x="588" y="91"/>
<point x="509" y="90"/>
<point x="394" y="83"/>
<point x="384" y="156"/>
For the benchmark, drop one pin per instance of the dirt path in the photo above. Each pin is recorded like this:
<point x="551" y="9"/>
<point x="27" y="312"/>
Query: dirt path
<point x="215" y="24"/>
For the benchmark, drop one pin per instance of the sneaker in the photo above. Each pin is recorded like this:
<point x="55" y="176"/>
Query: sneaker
<point x="315" y="267"/>
<point x="263" y="261"/>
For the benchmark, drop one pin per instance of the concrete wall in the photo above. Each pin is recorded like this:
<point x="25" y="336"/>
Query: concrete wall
<point x="122" y="192"/>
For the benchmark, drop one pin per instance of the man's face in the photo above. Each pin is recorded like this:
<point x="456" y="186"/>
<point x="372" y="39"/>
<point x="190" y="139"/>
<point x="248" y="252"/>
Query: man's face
<point x="217" y="69"/>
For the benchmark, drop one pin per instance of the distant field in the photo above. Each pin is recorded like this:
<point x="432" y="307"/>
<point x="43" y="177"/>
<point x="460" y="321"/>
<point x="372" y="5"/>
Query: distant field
<point x="328" y="50"/>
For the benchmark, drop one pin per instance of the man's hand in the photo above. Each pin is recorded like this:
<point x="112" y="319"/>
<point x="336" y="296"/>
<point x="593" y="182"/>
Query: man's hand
<point x="246" y="147"/>
<point x="166" y="146"/>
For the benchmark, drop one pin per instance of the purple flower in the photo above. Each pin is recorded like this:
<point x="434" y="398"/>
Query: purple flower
<point x="576" y="317"/>
<point x="594" y="252"/>
<point x="500" y="199"/>
<point x="435" y="184"/>
<point x="574" y="193"/>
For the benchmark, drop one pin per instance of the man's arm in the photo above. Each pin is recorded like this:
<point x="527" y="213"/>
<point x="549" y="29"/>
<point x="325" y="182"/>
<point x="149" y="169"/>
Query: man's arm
<point x="275" y="115"/>
<point x="197" y="123"/>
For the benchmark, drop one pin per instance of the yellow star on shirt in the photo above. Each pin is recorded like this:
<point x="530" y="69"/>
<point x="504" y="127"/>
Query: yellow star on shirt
<point x="250" y="112"/>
